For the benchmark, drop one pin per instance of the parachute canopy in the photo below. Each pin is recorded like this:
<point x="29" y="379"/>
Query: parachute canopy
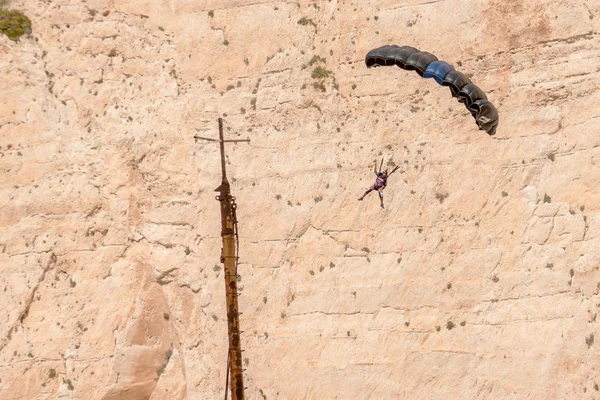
<point x="428" y="66"/>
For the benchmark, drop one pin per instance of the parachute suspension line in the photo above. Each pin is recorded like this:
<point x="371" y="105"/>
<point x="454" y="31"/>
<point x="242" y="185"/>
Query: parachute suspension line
<point x="227" y="378"/>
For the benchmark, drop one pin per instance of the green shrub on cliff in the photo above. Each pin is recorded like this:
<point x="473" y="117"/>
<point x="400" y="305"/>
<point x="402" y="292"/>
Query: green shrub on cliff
<point x="14" y="24"/>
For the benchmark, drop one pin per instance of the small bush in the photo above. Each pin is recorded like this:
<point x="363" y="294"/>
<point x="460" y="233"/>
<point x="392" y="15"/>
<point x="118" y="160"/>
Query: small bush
<point x="316" y="59"/>
<point x="211" y="13"/>
<point x="547" y="199"/>
<point x="278" y="197"/>
<point x="52" y="373"/>
<point x="463" y="323"/>
<point x="69" y="384"/>
<point x="366" y="250"/>
<point x="320" y="72"/>
<point x="495" y="279"/>
<point x="589" y="340"/>
<point x="441" y="197"/>
<point x="319" y="86"/>
<point x="450" y="325"/>
<point x="318" y="199"/>
<point x="14" y="24"/>
<point x="306" y="21"/>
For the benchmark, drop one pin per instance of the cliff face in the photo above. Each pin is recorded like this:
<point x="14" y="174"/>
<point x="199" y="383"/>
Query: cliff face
<point x="480" y="279"/>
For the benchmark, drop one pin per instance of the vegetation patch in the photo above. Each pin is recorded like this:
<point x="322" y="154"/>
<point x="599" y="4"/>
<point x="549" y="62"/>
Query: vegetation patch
<point x="320" y="73"/>
<point x="589" y="340"/>
<point x="319" y="86"/>
<point x="306" y="21"/>
<point x="69" y="384"/>
<point x="441" y="197"/>
<point x="14" y="23"/>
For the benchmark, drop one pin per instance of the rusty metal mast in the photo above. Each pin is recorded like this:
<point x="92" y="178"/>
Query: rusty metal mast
<point x="229" y="258"/>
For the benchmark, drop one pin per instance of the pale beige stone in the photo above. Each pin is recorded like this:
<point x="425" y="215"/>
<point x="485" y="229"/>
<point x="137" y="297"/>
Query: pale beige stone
<point x="110" y="280"/>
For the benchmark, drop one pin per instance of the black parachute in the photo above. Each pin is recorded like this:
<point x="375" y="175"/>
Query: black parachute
<point x="428" y="66"/>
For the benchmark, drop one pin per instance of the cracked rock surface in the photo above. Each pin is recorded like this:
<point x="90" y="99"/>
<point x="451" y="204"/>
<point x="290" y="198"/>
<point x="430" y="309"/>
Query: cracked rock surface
<point x="479" y="280"/>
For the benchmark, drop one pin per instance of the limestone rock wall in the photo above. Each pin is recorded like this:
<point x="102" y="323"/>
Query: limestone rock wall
<point x="479" y="280"/>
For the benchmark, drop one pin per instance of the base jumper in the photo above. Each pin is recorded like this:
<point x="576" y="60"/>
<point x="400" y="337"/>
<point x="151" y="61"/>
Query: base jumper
<point x="380" y="182"/>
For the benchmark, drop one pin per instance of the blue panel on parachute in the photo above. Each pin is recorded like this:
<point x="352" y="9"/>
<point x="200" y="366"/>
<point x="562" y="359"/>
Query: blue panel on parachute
<point x="438" y="71"/>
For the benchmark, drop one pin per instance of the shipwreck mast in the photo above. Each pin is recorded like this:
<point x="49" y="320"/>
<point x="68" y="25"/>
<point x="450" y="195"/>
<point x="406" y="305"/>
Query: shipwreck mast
<point x="229" y="258"/>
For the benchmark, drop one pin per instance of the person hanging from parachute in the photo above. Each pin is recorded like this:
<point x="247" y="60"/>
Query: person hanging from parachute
<point x="380" y="182"/>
